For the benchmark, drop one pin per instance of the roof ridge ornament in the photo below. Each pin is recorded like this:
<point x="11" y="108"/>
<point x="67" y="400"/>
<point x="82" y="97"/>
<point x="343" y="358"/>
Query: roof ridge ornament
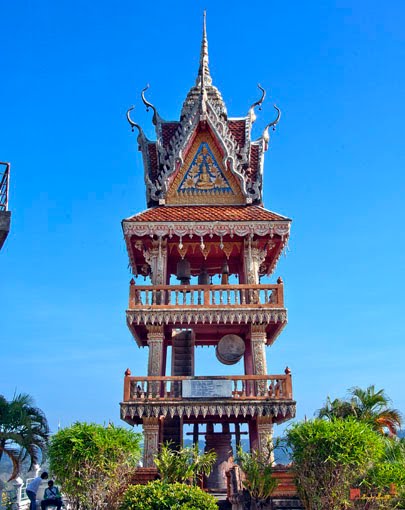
<point x="258" y="103"/>
<point x="273" y="124"/>
<point x="148" y="105"/>
<point x="132" y="123"/>
<point x="204" y="76"/>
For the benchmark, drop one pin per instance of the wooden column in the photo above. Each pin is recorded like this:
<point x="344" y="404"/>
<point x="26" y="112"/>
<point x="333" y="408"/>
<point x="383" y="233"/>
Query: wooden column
<point x="253" y="258"/>
<point x="258" y="346"/>
<point x="155" y="343"/>
<point x="265" y="436"/>
<point x="157" y="259"/>
<point x="151" y="440"/>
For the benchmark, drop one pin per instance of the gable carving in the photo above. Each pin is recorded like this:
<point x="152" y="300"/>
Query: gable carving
<point x="203" y="179"/>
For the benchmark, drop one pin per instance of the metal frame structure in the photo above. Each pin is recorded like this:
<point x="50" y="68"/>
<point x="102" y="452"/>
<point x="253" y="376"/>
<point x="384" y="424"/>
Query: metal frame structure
<point x="4" y="186"/>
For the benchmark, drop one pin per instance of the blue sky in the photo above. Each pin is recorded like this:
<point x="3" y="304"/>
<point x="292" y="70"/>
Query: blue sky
<point x="335" y="166"/>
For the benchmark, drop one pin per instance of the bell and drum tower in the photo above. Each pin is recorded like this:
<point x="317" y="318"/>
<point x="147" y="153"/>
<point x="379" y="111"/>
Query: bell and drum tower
<point x="203" y="244"/>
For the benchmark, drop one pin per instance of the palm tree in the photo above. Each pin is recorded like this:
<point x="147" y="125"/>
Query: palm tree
<point x="373" y="407"/>
<point x="24" y="431"/>
<point x="336" y="408"/>
<point x="366" y="405"/>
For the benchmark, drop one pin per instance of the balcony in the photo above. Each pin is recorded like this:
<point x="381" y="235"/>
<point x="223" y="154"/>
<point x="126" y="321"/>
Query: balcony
<point x="5" y="214"/>
<point x="182" y="305"/>
<point x="243" y="397"/>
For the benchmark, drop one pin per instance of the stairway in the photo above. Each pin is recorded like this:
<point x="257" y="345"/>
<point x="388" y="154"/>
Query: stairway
<point x="290" y="503"/>
<point x="172" y="431"/>
<point x="183" y="353"/>
<point x="182" y="364"/>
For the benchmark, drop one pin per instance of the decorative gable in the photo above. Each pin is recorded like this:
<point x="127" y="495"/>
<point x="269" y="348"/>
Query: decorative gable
<point x="203" y="179"/>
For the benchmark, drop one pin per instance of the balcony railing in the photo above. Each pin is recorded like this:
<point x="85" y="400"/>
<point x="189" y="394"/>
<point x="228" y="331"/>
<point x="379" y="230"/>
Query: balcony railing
<point x="266" y="296"/>
<point x="244" y="387"/>
<point x="4" y="183"/>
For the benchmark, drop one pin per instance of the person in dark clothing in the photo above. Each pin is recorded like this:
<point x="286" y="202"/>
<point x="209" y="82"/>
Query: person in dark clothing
<point x="52" y="497"/>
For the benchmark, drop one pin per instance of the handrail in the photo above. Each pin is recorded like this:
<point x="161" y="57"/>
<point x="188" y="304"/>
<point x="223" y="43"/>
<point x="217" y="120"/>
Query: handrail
<point x="142" y="388"/>
<point x="192" y="296"/>
<point x="4" y="186"/>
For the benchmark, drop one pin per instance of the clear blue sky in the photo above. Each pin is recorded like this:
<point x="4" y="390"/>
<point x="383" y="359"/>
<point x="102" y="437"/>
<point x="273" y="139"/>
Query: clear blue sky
<point x="336" y="166"/>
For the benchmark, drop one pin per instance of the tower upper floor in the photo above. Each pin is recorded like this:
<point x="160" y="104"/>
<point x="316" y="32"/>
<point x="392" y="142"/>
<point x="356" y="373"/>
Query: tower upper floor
<point x="205" y="157"/>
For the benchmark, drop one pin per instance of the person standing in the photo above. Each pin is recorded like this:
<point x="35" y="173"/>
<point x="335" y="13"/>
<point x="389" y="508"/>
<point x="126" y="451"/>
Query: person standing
<point x="52" y="497"/>
<point x="32" y="489"/>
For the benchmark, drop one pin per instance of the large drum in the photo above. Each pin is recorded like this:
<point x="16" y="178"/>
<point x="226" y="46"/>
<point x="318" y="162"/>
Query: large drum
<point x="230" y="349"/>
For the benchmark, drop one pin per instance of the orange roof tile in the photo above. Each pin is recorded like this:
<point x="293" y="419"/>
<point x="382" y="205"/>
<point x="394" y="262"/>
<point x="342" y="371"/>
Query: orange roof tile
<point x="206" y="213"/>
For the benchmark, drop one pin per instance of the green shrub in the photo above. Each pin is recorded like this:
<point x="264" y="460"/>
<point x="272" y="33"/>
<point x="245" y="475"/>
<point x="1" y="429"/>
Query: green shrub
<point x="329" y="457"/>
<point x="94" y="463"/>
<point x="258" y="469"/>
<point x="383" y="474"/>
<point x="163" y="496"/>
<point x="184" y="465"/>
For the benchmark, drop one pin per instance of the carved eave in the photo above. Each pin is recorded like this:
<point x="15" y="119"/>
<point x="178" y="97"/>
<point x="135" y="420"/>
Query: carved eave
<point x="193" y="225"/>
<point x="191" y="410"/>
<point x="138" y="320"/>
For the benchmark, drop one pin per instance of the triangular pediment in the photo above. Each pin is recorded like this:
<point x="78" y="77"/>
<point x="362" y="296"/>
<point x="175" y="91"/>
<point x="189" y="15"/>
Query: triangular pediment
<point x="203" y="178"/>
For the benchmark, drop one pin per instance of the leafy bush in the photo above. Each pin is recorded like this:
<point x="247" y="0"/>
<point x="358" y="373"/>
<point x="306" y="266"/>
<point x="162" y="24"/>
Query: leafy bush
<point x="164" y="496"/>
<point x="183" y="465"/>
<point x="94" y="463"/>
<point x="329" y="456"/>
<point x="258" y="469"/>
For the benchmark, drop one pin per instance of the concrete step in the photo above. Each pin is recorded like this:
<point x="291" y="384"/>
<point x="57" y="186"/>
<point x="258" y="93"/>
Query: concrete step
<point x="287" y="504"/>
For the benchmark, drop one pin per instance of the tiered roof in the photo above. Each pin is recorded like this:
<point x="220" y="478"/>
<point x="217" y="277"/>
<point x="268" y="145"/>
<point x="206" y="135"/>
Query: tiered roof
<point x="234" y="168"/>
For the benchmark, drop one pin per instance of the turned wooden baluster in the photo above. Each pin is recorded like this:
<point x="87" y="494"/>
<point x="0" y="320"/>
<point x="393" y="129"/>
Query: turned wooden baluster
<point x="271" y="389"/>
<point x="243" y="388"/>
<point x="235" y="392"/>
<point x="277" y="389"/>
<point x="142" y="390"/>
<point x="165" y="393"/>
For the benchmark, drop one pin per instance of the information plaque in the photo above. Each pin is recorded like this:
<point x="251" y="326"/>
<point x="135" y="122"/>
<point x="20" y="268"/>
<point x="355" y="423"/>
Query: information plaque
<point x="206" y="388"/>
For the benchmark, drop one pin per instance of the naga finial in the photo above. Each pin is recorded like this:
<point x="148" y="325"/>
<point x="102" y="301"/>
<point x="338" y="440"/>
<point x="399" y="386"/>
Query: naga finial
<point x="149" y="105"/>
<point x="133" y="124"/>
<point x="257" y="103"/>
<point x="273" y="124"/>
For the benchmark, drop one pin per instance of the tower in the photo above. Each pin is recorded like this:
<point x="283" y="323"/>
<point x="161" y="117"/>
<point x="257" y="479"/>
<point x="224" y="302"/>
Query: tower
<point x="203" y="244"/>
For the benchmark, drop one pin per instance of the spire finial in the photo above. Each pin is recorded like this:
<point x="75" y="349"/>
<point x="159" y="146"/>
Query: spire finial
<point x="204" y="77"/>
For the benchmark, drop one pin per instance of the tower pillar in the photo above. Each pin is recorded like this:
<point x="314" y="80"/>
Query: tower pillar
<point x="156" y="257"/>
<point x="220" y="442"/>
<point x="151" y="440"/>
<point x="258" y="342"/>
<point x="155" y="344"/>
<point x="265" y="436"/>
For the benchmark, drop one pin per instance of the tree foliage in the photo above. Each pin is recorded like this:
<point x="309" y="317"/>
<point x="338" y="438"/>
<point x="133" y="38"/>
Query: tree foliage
<point x="94" y="463"/>
<point x="329" y="456"/>
<point x="183" y="465"/>
<point x="24" y="431"/>
<point x="369" y="405"/>
<point x="160" y="495"/>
